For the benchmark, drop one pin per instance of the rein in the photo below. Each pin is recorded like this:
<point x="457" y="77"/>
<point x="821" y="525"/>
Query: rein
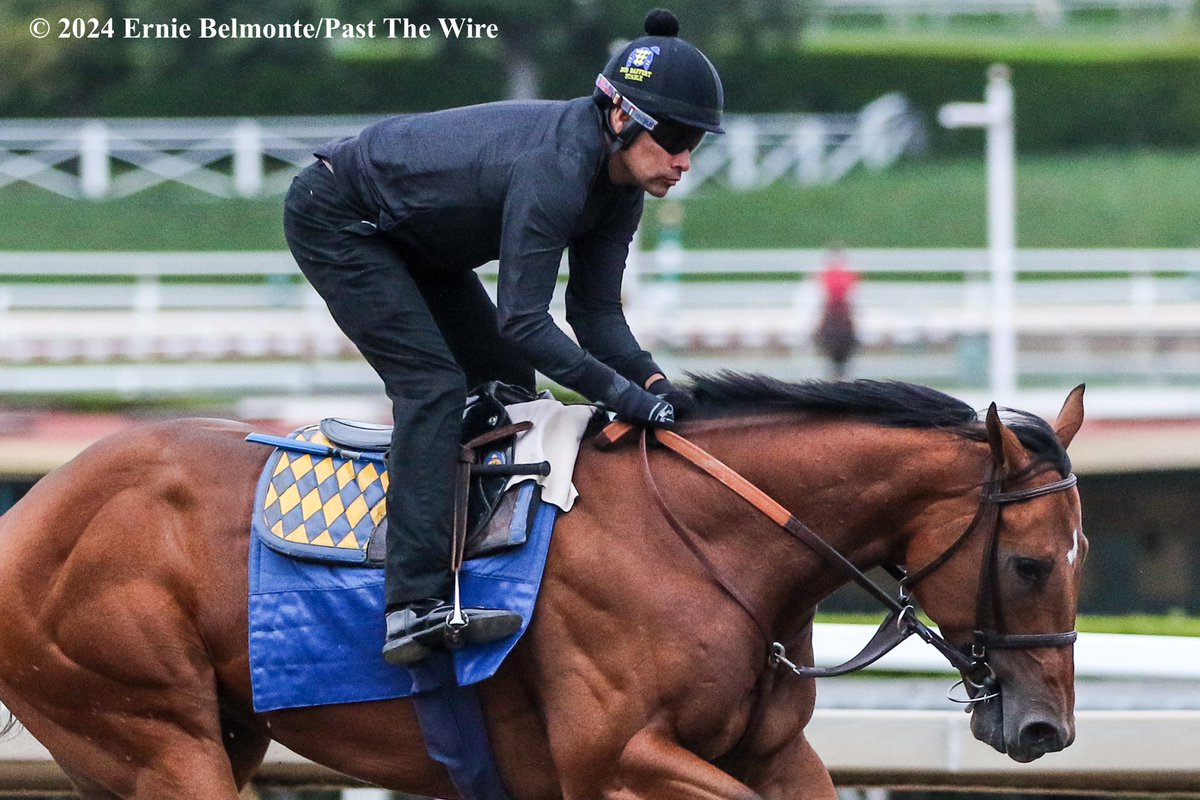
<point x="901" y="621"/>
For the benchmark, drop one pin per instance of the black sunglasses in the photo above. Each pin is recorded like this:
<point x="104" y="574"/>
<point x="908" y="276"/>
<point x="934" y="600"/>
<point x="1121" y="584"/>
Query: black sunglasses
<point x="675" y="137"/>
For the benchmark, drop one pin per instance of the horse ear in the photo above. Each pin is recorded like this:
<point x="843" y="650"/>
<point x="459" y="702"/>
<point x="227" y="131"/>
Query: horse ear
<point x="1007" y="449"/>
<point x="1071" y="417"/>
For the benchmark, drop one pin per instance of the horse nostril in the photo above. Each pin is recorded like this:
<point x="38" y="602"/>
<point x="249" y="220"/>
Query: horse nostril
<point x="1042" y="737"/>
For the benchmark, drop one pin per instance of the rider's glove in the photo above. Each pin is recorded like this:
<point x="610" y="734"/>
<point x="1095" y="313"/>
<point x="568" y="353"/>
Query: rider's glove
<point x="680" y="398"/>
<point x="635" y="404"/>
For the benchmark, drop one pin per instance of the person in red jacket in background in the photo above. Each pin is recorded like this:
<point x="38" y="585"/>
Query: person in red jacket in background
<point x="835" y="336"/>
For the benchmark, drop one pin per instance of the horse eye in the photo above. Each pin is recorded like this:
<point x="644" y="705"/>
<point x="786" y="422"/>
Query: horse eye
<point x="1031" y="570"/>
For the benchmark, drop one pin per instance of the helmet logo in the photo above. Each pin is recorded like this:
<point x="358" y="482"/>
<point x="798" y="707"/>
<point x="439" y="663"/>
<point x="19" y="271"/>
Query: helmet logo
<point x="637" y="64"/>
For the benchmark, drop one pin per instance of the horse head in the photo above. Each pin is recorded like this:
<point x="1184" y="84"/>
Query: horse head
<point x="1020" y="558"/>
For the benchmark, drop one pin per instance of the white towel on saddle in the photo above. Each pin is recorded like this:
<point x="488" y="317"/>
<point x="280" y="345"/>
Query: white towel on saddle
<point x="555" y="436"/>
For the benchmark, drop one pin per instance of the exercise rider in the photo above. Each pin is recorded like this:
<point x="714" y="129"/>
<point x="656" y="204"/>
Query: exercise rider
<point x="389" y="225"/>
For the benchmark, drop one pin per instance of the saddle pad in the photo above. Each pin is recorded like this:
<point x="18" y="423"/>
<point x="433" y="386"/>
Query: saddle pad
<point x="319" y="506"/>
<point x="316" y="630"/>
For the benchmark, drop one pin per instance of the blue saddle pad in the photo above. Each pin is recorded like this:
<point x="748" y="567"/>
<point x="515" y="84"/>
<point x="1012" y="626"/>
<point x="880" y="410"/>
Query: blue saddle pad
<point x="316" y="629"/>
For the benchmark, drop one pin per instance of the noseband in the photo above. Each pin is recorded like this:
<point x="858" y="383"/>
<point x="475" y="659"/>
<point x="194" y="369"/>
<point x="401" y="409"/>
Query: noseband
<point x="990" y="632"/>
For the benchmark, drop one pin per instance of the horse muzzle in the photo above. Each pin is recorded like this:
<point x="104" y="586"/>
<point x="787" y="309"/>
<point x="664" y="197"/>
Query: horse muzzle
<point x="1023" y="737"/>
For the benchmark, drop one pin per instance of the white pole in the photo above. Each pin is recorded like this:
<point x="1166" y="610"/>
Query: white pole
<point x="1002" y="231"/>
<point x="94" y="176"/>
<point x="743" y="154"/>
<point x="996" y="116"/>
<point x="247" y="159"/>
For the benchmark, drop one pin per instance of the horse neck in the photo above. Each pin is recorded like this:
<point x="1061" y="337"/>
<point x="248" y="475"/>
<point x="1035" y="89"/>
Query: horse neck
<point x="861" y="488"/>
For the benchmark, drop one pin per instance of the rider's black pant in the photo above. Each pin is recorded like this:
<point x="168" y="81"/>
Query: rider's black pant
<point x="430" y="335"/>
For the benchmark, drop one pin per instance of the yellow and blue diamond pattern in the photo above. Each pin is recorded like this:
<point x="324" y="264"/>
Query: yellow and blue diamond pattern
<point x="320" y="506"/>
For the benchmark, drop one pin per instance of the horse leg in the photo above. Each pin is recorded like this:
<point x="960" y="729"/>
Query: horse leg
<point x="780" y="763"/>
<point x="653" y="766"/>
<point x="90" y="791"/>
<point x="796" y="771"/>
<point x="135" y="721"/>
<point x="245" y="746"/>
<point x="130" y="758"/>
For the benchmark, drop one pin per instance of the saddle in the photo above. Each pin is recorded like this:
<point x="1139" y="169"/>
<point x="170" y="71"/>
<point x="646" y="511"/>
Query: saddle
<point x="323" y="492"/>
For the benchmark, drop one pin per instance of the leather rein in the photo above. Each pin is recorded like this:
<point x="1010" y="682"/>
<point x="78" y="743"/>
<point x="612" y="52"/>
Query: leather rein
<point x="902" y="621"/>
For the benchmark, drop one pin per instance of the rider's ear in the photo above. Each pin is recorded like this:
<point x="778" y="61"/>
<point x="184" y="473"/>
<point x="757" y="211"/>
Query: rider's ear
<point x="618" y="119"/>
<point x="1071" y="417"/>
<point x="1007" y="450"/>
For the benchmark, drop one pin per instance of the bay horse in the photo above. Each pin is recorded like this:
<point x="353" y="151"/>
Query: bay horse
<point x="123" y="579"/>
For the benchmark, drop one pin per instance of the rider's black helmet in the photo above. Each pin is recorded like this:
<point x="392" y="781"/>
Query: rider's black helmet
<point x="664" y="77"/>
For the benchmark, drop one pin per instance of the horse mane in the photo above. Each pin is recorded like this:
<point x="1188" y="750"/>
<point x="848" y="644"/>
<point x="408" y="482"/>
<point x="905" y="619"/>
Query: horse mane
<point x="892" y="404"/>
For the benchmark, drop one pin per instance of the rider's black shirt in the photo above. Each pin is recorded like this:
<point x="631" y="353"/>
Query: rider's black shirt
<point x="519" y="182"/>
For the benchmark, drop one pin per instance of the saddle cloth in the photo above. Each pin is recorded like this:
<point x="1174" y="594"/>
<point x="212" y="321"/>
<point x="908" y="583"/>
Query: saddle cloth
<point x="316" y="629"/>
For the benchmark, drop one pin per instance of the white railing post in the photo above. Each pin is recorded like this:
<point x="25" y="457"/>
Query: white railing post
<point x="1049" y="13"/>
<point x="247" y="159"/>
<point x="810" y="151"/>
<point x="95" y="179"/>
<point x="743" y="155"/>
<point x="995" y="115"/>
<point x="1002" y="229"/>
<point x="882" y="137"/>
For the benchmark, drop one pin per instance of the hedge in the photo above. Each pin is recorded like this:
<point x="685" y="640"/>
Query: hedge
<point x="1067" y="98"/>
<point x="1069" y="95"/>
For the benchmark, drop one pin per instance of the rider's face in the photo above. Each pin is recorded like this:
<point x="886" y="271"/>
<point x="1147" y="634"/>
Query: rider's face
<point x="645" y="163"/>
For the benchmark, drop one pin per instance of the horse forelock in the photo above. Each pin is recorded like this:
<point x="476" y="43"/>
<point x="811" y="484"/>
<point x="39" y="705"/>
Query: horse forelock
<point x="886" y="403"/>
<point x="1038" y="438"/>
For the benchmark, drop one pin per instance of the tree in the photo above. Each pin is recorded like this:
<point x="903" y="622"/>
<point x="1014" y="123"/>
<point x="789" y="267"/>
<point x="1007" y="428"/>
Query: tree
<point x="52" y="75"/>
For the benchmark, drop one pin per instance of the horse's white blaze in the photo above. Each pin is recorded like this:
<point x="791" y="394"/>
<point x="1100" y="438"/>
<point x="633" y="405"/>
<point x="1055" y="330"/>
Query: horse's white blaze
<point x="1073" y="553"/>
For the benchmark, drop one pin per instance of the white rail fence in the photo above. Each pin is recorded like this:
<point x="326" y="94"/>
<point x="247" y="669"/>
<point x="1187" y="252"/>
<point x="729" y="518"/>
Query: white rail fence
<point x="229" y="157"/>
<point x="144" y="324"/>
<point x="1114" y="751"/>
<point x="808" y="149"/>
<point x="1126" y="751"/>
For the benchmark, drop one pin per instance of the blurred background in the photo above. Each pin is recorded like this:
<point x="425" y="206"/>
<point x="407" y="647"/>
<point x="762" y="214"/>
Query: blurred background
<point x="838" y="228"/>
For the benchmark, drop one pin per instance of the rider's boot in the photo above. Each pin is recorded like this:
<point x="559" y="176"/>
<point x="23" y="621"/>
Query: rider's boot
<point x="414" y="630"/>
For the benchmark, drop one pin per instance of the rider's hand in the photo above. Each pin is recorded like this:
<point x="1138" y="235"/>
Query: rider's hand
<point x="635" y="404"/>
<point x="680" y="398"/>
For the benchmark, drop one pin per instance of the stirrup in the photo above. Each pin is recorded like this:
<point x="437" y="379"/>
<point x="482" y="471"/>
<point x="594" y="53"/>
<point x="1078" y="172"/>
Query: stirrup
<point x="437" y="630"/>
<point x="474" y="626"/>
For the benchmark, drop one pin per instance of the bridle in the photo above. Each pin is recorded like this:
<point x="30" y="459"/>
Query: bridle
<point x="990" y="631"/>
